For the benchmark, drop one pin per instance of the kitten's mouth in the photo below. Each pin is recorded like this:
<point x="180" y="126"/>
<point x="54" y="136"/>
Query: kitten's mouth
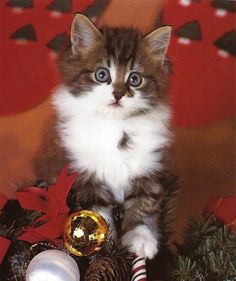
<point x="115" y="104"/>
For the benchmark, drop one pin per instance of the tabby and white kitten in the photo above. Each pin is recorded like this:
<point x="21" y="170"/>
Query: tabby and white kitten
<point x="113" y="123"/>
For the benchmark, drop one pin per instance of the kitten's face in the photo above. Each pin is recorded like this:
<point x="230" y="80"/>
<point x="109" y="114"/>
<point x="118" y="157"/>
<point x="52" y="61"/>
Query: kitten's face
<point x="114" y="71"/>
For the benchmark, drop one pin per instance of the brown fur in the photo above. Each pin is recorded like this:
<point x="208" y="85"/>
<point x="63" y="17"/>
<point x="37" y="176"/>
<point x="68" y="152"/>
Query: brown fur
<point x="142" y="203"/>
<point x="51" y="156"/>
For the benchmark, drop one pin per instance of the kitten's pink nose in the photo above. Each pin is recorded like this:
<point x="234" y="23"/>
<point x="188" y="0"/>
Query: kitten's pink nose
<point x="118" y="95"/>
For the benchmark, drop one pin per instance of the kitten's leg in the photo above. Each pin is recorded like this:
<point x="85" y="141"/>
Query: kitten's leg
<point x="94" y="196"/>
<point x="140" y="225"/>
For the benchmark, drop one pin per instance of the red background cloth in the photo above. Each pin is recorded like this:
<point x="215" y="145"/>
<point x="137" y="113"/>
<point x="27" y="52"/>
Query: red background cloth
<point x="203" y="83"/>
<point x="27" y="67"/>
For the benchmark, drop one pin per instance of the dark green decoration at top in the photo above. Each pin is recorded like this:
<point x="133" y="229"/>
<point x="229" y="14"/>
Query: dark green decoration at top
<point x="26" y="32"/>
<point x="228" y="5"/>
<point x="26" y="4"/>
<point x="227" y="42"/>
<point x="190" y="30"/>
<point x="59" y="42"/>
<point x="63" y="6"/>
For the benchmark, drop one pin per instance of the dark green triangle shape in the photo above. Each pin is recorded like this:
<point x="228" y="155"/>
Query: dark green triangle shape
<point x="63" y="6"/>
<point x="228" y="5"/>
<point x="25" y="32"/>
<point x="96" y="8"/>
<point x="227" y="42"/>
<point x="59" y="42"/>
<point x="27" y="4"/>
<point x="190" y="30"/>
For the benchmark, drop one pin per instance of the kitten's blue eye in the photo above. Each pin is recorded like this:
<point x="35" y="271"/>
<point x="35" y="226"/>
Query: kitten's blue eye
<point x="102" y="74"/>
<point x="135" y="79"/>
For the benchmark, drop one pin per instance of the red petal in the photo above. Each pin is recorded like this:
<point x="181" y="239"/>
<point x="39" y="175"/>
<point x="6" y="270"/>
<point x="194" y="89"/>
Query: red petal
<point x="31" y="236"/>
<point x="44" y="218"/>
<point x="52" y="229"/>
<point x="62" y="185"/>
<point x="4" y="245"/>
<point x="58" y="192"/>
<point x="31" y="201"/>
<point x="35" y="190"/>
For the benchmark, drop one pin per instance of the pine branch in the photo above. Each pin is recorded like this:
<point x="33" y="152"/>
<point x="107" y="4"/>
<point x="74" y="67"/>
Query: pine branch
<point x="207" y="254"/>
<point x="217" y="253"/>
<point x="196" y="232"/>
<point x="186" y="270"/>
<point x="14" y="219"/>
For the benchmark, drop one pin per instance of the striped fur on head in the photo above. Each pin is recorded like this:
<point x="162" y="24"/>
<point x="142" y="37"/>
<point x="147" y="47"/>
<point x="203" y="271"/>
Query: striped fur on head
<point x="120" y="50"/>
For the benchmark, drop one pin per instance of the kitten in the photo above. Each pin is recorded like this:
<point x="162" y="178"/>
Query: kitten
<point x="113" y="124"/>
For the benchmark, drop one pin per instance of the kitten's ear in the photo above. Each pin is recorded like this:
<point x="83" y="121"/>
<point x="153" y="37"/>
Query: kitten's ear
<point x="158" y="40"/>
<point x="84" y="33"/>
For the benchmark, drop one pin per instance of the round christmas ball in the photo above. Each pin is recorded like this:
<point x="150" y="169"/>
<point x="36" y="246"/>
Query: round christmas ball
<point x="85" y="233"/>
<point x="52" y="265"/>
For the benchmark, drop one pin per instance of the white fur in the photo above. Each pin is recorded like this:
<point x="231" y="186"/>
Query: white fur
<point x="113" y="71"/>
<point x="91" y="131"/>
<point x="141" y="241"/>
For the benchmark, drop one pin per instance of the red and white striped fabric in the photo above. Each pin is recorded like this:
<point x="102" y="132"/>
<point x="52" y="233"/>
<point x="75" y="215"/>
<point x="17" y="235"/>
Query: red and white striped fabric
<point x="139" y="270"/>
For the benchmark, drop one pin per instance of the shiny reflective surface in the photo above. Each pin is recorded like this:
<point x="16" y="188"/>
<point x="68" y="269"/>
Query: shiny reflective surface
<point x="85" y="233"/>
<point x="52" y="265"/>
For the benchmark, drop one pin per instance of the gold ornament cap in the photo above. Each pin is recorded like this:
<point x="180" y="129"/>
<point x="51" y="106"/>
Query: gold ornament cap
<point x="85" y="233"/>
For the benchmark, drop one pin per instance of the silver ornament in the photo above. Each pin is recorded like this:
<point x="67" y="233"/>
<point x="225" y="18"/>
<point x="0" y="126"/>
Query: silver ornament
<point x="52" y="265"/>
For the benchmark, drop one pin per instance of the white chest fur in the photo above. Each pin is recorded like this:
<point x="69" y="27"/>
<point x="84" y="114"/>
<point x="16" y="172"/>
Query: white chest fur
<point x="92" y="141"/>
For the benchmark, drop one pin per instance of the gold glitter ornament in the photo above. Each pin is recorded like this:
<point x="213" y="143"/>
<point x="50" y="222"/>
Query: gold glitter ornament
<point x="85" y="233"/>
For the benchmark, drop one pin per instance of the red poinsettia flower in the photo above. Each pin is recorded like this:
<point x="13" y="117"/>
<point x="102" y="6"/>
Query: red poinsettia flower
<point x="52" y="203"/>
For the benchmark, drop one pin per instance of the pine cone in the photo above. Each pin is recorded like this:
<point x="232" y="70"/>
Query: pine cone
<point x="109" y="269"/>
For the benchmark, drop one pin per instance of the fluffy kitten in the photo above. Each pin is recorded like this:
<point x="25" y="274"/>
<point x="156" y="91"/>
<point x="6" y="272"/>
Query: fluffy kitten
<point x="113" y="124"/>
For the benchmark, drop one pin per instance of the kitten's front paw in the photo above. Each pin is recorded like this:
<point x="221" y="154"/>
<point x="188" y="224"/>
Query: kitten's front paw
<point x="141" y="242"/>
